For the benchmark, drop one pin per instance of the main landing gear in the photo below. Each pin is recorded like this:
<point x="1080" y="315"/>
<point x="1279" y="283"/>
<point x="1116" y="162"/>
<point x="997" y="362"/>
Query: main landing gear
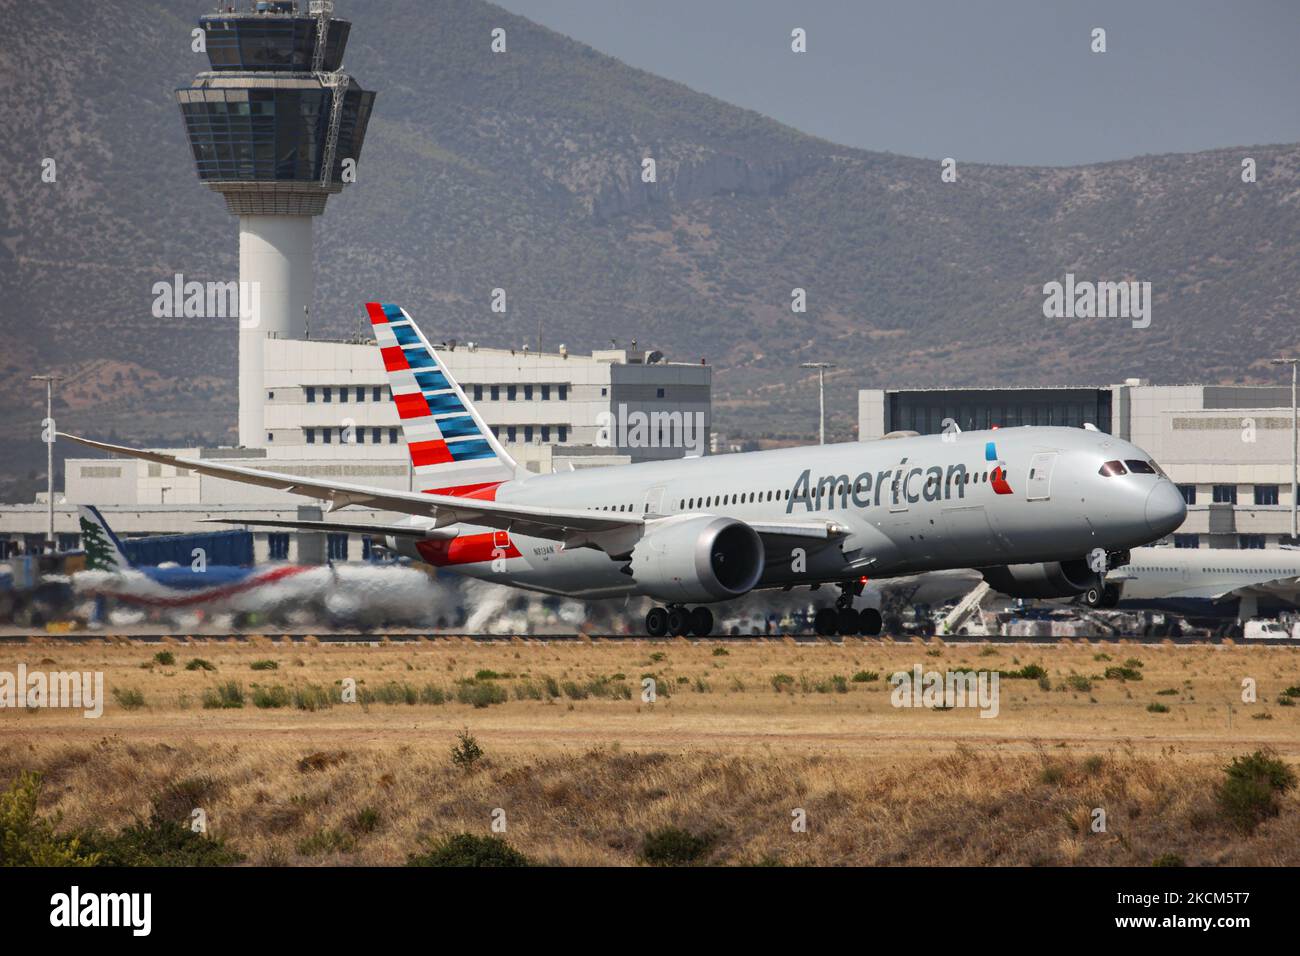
<point x="843" y="620"/>
<point x="678" y="621"/>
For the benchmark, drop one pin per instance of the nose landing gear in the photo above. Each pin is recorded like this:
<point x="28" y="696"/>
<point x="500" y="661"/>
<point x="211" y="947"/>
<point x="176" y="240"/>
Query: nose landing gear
<point x="678" y="621"/>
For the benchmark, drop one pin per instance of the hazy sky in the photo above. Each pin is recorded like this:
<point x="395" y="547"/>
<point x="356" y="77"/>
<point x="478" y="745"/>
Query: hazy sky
<point x="1012" y="81"/>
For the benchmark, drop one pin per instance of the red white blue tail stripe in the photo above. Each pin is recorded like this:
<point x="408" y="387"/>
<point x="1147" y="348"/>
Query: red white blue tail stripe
<point x="452" y="450"/>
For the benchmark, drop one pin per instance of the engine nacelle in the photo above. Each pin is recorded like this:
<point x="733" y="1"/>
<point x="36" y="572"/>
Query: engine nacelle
<point x="700" y="559"/>
<point x="1049" y="579"/>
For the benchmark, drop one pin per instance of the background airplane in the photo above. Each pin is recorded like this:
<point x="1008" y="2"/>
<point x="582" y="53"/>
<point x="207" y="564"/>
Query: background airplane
<point x="356" y="595"/>
<point x="1203" y="582"/>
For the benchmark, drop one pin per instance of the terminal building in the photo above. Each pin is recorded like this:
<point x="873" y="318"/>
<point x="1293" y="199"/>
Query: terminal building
<point x="1228" y="447"/>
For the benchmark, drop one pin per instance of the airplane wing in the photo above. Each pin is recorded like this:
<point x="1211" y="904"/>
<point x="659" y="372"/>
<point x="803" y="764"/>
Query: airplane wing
<point x="553" y="523"/>
<point x="396" y="530"/>
<point x="1286" y="588"/>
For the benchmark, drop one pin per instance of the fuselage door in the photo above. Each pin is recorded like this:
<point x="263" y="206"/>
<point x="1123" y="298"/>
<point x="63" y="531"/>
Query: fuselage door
<point x="1039" y="484"/>
<point x="654" y="501"/>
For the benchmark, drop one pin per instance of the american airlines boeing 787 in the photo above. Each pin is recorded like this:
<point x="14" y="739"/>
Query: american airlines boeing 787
<point x="1040" y="511"/>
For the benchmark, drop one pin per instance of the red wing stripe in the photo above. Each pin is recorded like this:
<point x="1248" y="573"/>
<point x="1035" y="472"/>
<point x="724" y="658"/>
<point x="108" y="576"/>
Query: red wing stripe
<point x="484" y="491"/>
<point x="376" y="311"/>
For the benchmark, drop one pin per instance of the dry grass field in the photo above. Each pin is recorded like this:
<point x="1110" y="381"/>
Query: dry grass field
<point x="740" y="737"/>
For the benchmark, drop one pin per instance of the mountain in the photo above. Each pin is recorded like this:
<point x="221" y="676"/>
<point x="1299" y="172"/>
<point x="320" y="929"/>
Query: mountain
<point x="522" y="171"/>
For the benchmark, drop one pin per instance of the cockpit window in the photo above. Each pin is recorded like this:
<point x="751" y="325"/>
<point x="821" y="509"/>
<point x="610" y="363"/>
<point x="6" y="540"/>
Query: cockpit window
<point x="1113" y="468"/>
<point x="1139" y="467"/>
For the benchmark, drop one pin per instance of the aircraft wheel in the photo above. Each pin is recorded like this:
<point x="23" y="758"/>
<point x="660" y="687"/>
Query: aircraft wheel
<point x="679" y="622"/>
<point x="1092" y="597"/>
<point x="870" y="621"/>
<point x="847" y="621"/>
<point x="656" y="622"/>
<point x="825" y="621"/>
<point x="701" y="621"/>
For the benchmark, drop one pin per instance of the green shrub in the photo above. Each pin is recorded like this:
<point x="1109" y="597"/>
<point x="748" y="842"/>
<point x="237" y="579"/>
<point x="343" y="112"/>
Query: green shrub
<point x="1168" y="859"/>
<point x="265" y="665"/>
<point x="1123" y="673"/>
<point x="165" y="658"/>
<point x="480" y="695"/>
<point x="469" y="849"/>
<point x="782" y="682"/>
<point x="1248" y="796"/>
<point x="199" y="664"/>
<point x="466" y="753"/>
<point x="430" y="694"/>
<point x="271" y="697"/>
<point x="161" y="842"/>
<point x="673" y="846"/>
<point x="327" y="841"/>
<point x="392" y="692"/>
<point x="865" y="677"/>
<point x="1157" y="708"/>
<point x="721" y="652"/>
<point x="27" y="839"/>
<point x="365" y="820"/>
<point x="1167" y="692"/>
<point x="1079" y="682"/>
<point x="224" y="696"/>
<point x="129" y="698"/>
<point x="314" y="697"/>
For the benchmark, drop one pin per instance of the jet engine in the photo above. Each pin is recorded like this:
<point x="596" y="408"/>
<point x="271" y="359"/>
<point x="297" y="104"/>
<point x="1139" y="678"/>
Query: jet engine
<point x="1049" y="579"/>
<point x="700" y="559"/>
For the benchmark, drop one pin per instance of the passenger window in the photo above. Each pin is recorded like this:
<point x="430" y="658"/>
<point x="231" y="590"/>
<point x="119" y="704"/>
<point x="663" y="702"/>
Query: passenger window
<point x="1112" y="469"/>
<point x="1139" y="467"/>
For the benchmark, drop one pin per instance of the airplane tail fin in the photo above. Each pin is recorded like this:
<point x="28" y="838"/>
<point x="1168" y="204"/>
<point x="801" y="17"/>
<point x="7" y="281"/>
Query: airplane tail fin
<point x="452" y="451"/>
<point x="104" y="551"/>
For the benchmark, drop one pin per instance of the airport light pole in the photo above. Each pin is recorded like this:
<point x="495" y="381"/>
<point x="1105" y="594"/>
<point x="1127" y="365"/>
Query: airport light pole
<point x="1295" y="442"/>
<point x="49" y="381"/>
<point x="821" y="368"/>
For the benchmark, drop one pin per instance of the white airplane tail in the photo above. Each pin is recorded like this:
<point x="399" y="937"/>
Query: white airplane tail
<point x="104" y="551"/>
<point x="452" y="450"/>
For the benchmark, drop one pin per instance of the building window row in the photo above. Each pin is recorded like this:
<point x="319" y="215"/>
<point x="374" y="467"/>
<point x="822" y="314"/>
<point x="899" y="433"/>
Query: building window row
<point x="356" y="436"/>
<point x="1227" y="494"/>
<point x="513" y="393"/>
<point x="529" y="433"/>
<point x="344" y="393"/>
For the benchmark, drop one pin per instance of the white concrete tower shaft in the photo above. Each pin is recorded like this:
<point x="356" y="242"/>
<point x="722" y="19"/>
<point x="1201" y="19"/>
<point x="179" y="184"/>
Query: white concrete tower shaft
<point x="275" y="273"/>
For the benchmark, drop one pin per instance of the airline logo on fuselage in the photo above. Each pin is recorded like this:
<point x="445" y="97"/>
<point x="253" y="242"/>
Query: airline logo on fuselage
<point x="892" y="486"/>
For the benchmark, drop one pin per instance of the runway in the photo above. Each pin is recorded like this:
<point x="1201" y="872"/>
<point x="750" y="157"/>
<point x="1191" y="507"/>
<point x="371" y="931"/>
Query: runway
<point x="13" y="636"/>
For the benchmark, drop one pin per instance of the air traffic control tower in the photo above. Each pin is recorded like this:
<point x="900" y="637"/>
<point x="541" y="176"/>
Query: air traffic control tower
<point x="273" y="126"/>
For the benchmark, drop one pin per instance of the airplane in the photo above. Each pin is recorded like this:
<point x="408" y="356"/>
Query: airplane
<point x="358" y="595"/>
<point x="1203" y="582"/>
<point x="1041" y="510"/>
